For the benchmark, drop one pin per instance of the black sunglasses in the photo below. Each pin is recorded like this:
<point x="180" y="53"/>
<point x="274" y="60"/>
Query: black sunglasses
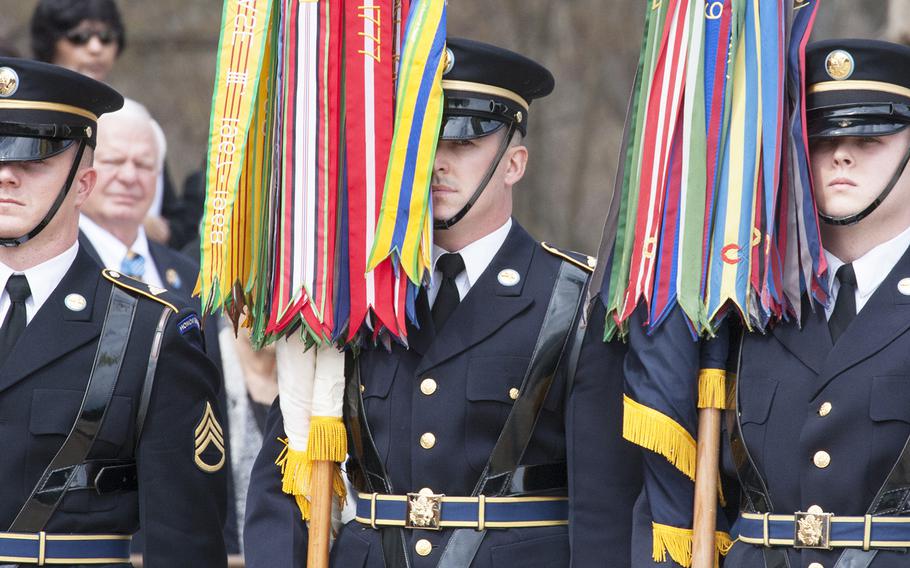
<point x="82" y="37"/>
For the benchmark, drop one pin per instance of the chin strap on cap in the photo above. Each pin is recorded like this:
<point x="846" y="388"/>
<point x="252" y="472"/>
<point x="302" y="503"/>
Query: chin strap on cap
<point x="857" y="217"/>
<point x="445" y="224"/>
<point x="14" y="242"/>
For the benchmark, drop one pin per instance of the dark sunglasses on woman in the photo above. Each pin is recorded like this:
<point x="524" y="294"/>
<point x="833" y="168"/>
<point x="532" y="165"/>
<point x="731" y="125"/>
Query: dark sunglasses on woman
<point x="82" y="37"/>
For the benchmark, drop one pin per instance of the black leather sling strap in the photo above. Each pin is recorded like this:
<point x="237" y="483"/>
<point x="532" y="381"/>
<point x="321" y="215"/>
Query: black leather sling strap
<point x="555" y="333"/>
<point x="109" y="476"/>
<point x="893" y="498"/>
<point x="146" y="396"/>
<point x="373" y="477"/>
<point x="59" y="474"/>
<point x="755" y="496"/>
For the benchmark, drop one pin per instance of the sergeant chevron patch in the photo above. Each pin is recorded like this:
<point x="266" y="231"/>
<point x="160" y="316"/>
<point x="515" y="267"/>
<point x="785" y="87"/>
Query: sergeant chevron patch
<point x="209" y="440"/>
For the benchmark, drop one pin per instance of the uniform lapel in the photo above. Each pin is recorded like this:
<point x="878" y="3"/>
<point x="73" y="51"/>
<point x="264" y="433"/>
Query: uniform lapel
<point x="86" y="245"/>
<point x="810" y="343"/>
<point x="488" y="305"/>
<point x="420" y="339"/>
<point x="884" y="318"/>
<point x="177" y="277"/>
<point x="56" y="329"/>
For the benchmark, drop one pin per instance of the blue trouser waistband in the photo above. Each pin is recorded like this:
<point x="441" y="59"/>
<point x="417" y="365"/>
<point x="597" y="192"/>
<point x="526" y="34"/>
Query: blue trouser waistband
<point x="467" y="512"/>
<point x="43" y="548"/>
<point x="842" y="532"/>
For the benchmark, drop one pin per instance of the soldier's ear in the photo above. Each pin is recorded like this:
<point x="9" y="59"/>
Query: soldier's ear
<point x="83" y="184"/>
<point x="516" y="161"/>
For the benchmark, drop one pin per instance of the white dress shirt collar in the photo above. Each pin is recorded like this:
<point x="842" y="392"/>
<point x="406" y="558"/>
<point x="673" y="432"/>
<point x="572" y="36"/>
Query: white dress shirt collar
<point x="871" y="269"/>
<point x="112" y="250"/>
<point x="477" y="257"/>
<point x="42" y="280"/>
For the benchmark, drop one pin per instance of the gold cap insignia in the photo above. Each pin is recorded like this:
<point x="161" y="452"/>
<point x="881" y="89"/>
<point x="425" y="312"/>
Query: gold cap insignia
<point x="9" y="82"/>
<point x="450" y="61"/>
<point x="839" y="64"/>
<point x="208" y="434"/>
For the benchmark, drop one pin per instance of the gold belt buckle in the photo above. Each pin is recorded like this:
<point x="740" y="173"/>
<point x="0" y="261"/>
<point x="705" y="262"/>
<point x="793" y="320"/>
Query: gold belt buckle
<point x="424" y="510"/>
<point x="812" y="529"/>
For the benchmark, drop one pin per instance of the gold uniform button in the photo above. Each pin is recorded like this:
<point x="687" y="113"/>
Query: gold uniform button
<point x="821" y="459"/>
<point x="513" y="393"/>
<point x="427" y="441"/>
<point x="824" y="409"/>
<point x="423" y="547"/>
<point x="428" y="386"/>
<point x="362" y="388"/>
<point x="816" y="565"/>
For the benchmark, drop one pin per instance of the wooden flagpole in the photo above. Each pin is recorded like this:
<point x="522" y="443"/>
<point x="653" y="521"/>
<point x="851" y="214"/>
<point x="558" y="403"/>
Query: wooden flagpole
<point x="320" y="515"/>
<point x="707" y="461"/>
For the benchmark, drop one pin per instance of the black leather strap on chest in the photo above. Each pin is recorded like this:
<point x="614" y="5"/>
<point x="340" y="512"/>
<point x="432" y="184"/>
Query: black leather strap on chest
<point x="370" y="475"/>
<point x="555" y="334"/>
<point x="755" y="497"/>
<point x="60" y="473"/>
<point x="893" y="498"/>
<point x="145" y="396"/>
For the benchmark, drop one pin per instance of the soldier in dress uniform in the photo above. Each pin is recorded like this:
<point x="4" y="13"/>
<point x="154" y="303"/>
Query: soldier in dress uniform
<point x="107" y="401"/>
<point x="495" y="439"/>
<point x="823" y="412"/>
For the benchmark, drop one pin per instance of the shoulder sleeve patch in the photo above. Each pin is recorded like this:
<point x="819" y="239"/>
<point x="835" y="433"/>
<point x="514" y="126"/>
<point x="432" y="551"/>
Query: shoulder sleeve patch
<point x="188" y="324"/>
<point x="583" y="261"/>
<point x="138" y="287"/>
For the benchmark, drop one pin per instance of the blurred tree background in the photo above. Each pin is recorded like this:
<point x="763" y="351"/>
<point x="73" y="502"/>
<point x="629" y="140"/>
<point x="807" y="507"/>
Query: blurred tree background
<point x="590" y="45"/>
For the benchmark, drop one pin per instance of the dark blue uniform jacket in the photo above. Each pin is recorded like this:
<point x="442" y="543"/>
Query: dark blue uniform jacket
<point x="786" y="377"/>
<point x="179" y="506"/>
<point x="478" y="357"/>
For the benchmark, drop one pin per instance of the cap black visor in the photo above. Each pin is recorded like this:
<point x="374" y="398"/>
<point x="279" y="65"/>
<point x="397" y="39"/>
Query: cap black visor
<point x="866" y="120"/>
<point x="27" y="148"/>
<point x="468" y="127"/>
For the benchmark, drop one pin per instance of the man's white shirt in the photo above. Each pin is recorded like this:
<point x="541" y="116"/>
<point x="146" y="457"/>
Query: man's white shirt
<point x="112" y="251"/>
<point x="871" y="269"/>
<point x="42" y="280"/>
<point x="477" y="257"/>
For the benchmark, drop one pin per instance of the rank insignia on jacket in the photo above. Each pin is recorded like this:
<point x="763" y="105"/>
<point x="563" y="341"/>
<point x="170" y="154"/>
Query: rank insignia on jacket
<point x="209" y="442"/>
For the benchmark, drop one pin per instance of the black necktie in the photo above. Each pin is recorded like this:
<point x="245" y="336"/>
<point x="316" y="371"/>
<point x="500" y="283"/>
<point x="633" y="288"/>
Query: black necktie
<point x="845" y="305"/>
<point x="14" y="323"/>
<point x="450" y="265"/>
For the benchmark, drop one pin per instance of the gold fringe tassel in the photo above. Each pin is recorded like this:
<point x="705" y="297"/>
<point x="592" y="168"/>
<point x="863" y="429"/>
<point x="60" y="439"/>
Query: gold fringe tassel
<point x="724" y="542"/>
<point x="712" y="389"/>
<point x="296" y="470"/>
<point x="297" y="467"/>
<point x="676" y="541"/>
<point x="721" y="498"/>
<point x="328" y="440"/>
<point x="659" y="433"/>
